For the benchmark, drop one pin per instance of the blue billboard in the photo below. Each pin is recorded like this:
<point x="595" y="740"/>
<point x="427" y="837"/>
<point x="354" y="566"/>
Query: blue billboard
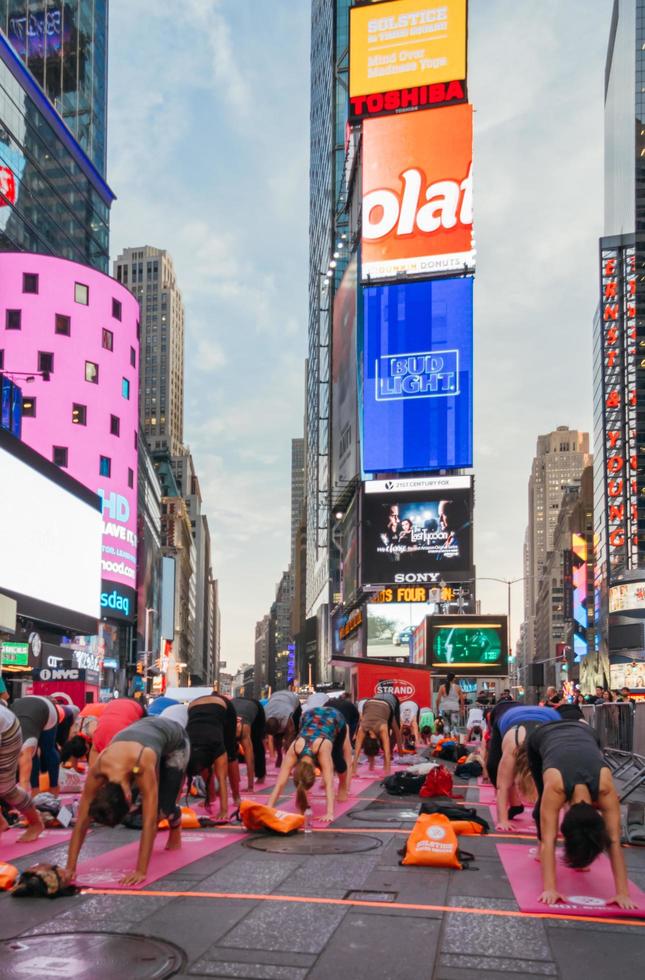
<point x="417" y="376"/>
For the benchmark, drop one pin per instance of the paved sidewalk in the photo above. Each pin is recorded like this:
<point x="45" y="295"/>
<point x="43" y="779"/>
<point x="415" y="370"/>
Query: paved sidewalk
<point x="298" y="916"/>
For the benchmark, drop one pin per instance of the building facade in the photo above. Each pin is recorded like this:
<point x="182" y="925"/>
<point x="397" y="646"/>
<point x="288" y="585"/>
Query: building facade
<point x="177" y="543"/>
<point x="263" y="655"/>
<point x="297" y="491"/>
<point x="64" y="44"/>
<point x="52" y="198"/>
<point x="149" y="274"/>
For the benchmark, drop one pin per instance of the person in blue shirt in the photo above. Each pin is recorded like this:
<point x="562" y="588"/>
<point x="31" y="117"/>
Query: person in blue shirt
<point x="515" y="726"/>
<point x="160" y="704"/>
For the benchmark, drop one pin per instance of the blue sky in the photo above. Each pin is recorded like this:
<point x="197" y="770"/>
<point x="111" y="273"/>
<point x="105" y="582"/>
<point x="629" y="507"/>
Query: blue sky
<point x="208" y="155"/>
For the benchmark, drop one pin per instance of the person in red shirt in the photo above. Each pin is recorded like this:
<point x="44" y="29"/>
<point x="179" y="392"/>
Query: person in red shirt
<point x="99" y="727"/>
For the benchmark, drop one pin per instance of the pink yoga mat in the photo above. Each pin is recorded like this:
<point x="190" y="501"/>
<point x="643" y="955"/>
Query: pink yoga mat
<point x="586" y="893"/>
<point x="107" y="870"/>
<point x="10" y="849"/>
<point x="522" y="824"/>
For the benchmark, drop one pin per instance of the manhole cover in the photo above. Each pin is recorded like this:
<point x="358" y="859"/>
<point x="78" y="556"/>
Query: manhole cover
<point x="385" y="814"/>
<point x="88" y="956"/>
<point x="314" y="844"/>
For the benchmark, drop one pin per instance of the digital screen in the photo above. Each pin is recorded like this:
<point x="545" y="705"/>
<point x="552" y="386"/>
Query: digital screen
<point x="630" y="595"/>
<point x="417" y="376"/>
<point x="390" y="628"/>
<point x="406" y="43"/>
<point x="51" y="540"/>
<point x="469" y="643"/>
<point x="579" y="584"/>
<point x="345" y="378"/>
<point x="417" y="190"/>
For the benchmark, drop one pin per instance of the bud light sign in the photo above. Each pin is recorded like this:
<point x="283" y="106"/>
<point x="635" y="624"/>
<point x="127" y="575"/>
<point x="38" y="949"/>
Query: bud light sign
<point x="417" y="370"/>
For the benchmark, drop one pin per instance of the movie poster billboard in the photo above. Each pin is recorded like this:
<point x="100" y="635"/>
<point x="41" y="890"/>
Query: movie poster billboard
<point x="417" y="392"/>
<point x="344" y="397"/>
<point x="415" y="531"/>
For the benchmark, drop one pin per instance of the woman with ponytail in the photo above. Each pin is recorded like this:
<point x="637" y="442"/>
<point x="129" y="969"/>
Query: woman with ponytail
<point x="323" y="742"/>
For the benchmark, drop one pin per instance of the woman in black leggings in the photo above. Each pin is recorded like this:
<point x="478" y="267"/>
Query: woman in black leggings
<point x="211" y="729"/>
<point x="568" y="767"/>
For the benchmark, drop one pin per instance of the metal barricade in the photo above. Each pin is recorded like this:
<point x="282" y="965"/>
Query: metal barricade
<point x="614" y="724"/>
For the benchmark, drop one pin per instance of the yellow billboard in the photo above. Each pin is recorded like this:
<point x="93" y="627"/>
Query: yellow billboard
<point x="406" y="43"/>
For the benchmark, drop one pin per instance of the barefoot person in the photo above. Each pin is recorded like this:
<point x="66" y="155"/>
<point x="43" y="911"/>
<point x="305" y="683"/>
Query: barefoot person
<point x="512" y="787"/>
<point x="152" y="756"/>
<point x="12" y="795"/>
<point x="99" y="728"/>
<point x="211" y="728"/>
<point x="323" y="741"/>
<point x="283" y="714"/>
<point x="375" y="730"/>
<point x="250" y="734"/>
<point x="38" y="719"/>
<point x="569" y="768"/>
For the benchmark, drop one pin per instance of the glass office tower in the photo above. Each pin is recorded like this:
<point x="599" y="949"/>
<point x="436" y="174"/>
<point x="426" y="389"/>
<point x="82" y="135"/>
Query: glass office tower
<point x="64" y="45"/>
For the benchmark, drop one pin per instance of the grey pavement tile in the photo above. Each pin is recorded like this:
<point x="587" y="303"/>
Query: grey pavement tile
<point x="484" y="879"/>
<point x="596" y="954"/>
<point x="379" y="946"/>
<point x="100" y="913"/>
<point x="247" y="874"/>
<point x="18" y="915"/>
<point x="478" y="965"/>
<point x="488" y="935"/>
<point x="194" y="924"/>
<point x="427" y="886"/>
<point x="251" y="971"/>
<point x="263" y="956"/>
<point x="275" y="925"/>
<point x="456" y="973"/>
<point x="336" y="872"/>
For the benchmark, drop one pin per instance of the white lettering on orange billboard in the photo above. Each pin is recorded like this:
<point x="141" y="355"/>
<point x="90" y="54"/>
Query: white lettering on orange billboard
<point x="418" y="194"/>
<point x="406" y="43"/>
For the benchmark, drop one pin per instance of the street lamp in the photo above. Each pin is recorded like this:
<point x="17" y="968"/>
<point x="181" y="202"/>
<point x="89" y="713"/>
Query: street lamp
<point x="508" y="582"/>
<point x="146" y="643"/>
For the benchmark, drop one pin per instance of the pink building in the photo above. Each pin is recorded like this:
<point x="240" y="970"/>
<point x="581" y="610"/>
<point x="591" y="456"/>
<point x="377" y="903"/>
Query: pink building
<point x="77" y="330"/>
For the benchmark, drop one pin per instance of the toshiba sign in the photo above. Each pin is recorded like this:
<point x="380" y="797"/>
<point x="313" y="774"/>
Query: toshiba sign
<point x="418" y="194"/>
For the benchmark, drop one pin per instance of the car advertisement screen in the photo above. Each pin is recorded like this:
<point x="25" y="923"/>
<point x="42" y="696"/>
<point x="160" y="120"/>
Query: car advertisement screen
<point x="417" y="376"/>
<point x="407" y="536"/>
<point x="469" y="643"/>
<point x="390" y="628"/>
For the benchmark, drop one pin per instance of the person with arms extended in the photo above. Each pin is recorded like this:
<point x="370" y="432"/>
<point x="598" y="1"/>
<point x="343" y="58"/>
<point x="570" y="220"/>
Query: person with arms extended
<point x="283" y="713"/>
<point x="513" y="784"/>
<point x="568" y="767"/>
<point x="13" y="796"/>
<point x="151" y="756"/>
<point x="211" y="727"/>
<point x="99" y="728"/>
<point x="251" y="722"/>
<point x="38" y="717"/>
<point x="377" y="727"/>
<point x="323" y="741"/>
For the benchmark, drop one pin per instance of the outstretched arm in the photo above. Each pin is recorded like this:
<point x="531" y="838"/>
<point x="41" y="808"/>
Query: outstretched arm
<point x="610" y="809"/>
<point x="283" y="778"/>
<point x="82" y="825"/>
<point x="249" y="757"/>
<point x="505" y="776"/>
<point x="549" y="813"/>
<point x="360" y="738"/>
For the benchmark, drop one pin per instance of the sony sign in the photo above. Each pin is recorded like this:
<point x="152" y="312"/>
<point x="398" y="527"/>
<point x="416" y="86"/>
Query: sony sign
<point x="417" y="578"/>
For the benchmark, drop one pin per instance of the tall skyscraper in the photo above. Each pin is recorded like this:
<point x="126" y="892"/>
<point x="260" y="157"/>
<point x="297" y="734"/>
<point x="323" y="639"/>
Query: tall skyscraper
<point x="560" y="458"/>
<point x="297" y="490"/>
<point x="149" y="274"/>
<point x="64" y="43"/>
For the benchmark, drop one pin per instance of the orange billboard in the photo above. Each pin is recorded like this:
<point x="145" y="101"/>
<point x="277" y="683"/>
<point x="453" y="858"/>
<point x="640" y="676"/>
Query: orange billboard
<point x="418" y="194"/>
<point x="404" y="43"/>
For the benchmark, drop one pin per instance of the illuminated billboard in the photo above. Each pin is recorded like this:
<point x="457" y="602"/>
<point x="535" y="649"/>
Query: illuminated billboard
<point x="468" y="644"/>
<point x="344" y="434"/>
<point x="418" y="194"/>
<point x="407" y="46"/>
<point x="628" y="597"/>
<point x="417" y="376"/>
<point x="580" y="615"/>
<point x="390" y="629"/>
<point x="411" y="536"/>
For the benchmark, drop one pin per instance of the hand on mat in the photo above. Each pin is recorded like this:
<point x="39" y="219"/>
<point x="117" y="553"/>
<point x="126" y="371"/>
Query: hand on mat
<point x="551" y="897"/>
<point x="133" y="878"/>
<point x="623" y="902"/>
<point x="327" y="818"/>
<point x="504" y="825"/>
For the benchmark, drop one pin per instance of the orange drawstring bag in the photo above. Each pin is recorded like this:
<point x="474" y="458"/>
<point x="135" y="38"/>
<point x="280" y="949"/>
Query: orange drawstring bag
<point x="467" y="827"/>
<point x="258" y="816"/>
<point x="189" y="820"/>
<point x="8" y="876"/>
<point x="433" y="843"/>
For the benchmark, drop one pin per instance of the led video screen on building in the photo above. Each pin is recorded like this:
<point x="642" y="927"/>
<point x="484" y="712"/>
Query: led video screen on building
<point x="475" y="644"/>
<point x="410" y="535"/>
<point x="344" y="462"/>
<point x="417" y="376"/>
<point x="418" y="194"/>
<point x="404" y="45"/>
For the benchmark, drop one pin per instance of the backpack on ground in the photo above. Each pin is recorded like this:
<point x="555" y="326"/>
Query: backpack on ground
<point x="455" y="813"/>
<point x="438" y="782"/>
<point x="433" y="843"/>
<point x="469" y="770"/>
<point x="258" y="816"/>
<point x="403" y="784"/>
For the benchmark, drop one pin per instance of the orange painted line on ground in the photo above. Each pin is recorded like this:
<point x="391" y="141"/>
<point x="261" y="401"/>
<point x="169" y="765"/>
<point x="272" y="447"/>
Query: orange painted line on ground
<point x="349" y="903"/>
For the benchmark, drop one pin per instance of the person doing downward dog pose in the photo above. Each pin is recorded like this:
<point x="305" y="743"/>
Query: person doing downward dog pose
<point x="151" y="755"/>
<point x="378" y="723"/>
<point x="99" y="729"/>
<point x="323" y="741"/>
<point x="493" y="737"/>
<point x="283" y="714"/>
<point x="38" y="719"/>
<point x="515" y="726"/>
<point x="211" y="729"/>
<point x="568" y="767"/>
<point x="250" y="734"/>
<point x="13" y="796"/>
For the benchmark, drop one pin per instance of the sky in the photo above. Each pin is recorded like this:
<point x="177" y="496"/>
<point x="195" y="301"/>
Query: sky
<point x="208" y="156"/>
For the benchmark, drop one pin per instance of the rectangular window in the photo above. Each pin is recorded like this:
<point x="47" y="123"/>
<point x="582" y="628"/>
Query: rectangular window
<point x="133" y="357"/>
<point x="81" y="293"/>
<point x="136" y="441"/>
<point x="130" y="478"/>
<point x="105" y="466"/>
<point x="138" y="330"/>
<point x="29" y="408"/>
<point x="79" y="414"/>
<point x="92" y="372"/>
<point x="59" y="455"/>
<point x="115" y="425"/>
<point x="30" y="282"/>
<point x="107" y="339"/>
<point x="63" y="324"/>
<point x="125" y="388"/>
<point x="45" y="362"/>
<point x="1" y="360"/>
<point x="13" y="320"/>
<point x="116" y="309"/>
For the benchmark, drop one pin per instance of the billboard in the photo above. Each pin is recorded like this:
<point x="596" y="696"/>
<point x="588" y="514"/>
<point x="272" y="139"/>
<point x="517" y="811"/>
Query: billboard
<point x="390" y="628"/>
<point x="411" y="536"/>
<point x="407" y="46"/>
<point x="418" y="194"/>
<point x="417" y="400"/>
<point x="344" y="398"/>
<point x="580" y="615"/>
<point x="468" y="644"/>
<point x="628" y="597"/>
<point x="50" y="529"/>
<point x="406" y="683"/>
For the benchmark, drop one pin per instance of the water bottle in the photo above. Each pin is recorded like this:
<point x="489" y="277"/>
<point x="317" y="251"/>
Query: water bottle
<point x="308" y="820"/>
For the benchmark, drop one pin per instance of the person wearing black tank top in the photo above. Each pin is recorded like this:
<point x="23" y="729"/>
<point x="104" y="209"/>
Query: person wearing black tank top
<point x="569" y="768"/>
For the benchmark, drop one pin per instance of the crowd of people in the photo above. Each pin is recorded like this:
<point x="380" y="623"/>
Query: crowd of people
<point x="141" y="761"/>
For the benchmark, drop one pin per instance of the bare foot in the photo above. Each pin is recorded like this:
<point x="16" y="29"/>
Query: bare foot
<point x="174" y="839"/>
<point x="33" y="832"/>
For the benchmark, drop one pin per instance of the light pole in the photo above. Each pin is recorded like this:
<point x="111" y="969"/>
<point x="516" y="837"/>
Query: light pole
<point x="146" y="643"/>
<point x="508" y="582"/>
